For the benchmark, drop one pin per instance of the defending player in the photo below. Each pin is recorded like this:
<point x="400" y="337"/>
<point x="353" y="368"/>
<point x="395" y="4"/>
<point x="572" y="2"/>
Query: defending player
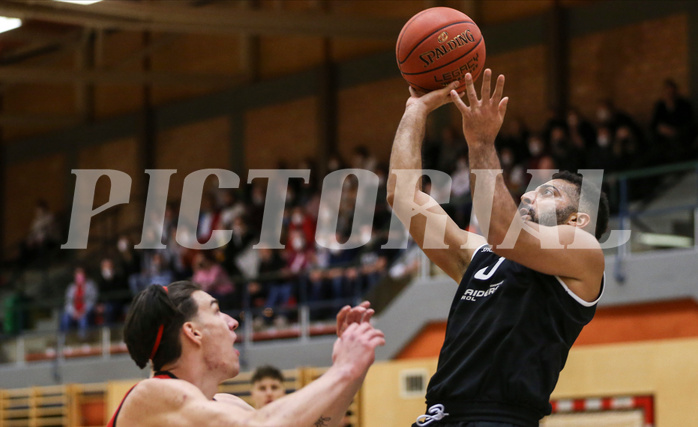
<point x="519" y="306"/>
<point x="189" y="341"/>
<point x="267" y="386"/>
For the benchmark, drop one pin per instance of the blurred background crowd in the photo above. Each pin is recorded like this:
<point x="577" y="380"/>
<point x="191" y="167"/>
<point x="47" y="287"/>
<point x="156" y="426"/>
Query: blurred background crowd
<point x="269" y="284"/>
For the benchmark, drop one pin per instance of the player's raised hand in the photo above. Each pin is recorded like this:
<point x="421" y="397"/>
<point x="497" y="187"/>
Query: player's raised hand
<point x="348" y="315"/>
<point x="434" y="99"/>
<point x="355" y="350"/>
<point x="482" y="118"/>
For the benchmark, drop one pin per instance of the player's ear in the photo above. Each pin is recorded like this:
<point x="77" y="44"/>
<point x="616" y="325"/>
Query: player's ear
<point x="579" y="219"/>
<point x="191" y="332"/>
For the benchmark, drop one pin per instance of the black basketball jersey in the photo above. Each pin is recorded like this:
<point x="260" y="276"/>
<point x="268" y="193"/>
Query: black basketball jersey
<point x="508" y="335"/>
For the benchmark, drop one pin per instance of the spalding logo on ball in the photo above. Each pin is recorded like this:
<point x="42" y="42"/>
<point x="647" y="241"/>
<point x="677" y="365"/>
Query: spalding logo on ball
<point x="437" y="46"/>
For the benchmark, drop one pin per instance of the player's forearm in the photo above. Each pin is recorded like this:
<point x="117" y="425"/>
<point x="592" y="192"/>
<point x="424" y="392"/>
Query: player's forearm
<point x="321" y="403"/>
<point x="483" y="156"/>
<point x="407" y="146"/>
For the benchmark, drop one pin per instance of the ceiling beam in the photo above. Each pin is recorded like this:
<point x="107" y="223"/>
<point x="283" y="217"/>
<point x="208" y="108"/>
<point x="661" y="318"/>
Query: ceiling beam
<point x="33" y="120"/>
<point x="66" y="76"/>
<point x="130" y="16"/>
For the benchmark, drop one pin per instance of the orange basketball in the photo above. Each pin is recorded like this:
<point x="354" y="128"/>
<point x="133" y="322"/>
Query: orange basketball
<point x="437" y="46"/>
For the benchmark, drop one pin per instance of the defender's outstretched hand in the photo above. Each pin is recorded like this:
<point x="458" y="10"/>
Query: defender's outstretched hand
<point x="356" y="348"/>
<point x="362" y="313"/>
<point x="482" y="118"/>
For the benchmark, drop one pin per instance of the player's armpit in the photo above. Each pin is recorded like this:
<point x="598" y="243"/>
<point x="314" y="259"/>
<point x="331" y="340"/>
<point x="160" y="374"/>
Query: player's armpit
<point x="563" y="250"/>
<point x="446" y="244"/>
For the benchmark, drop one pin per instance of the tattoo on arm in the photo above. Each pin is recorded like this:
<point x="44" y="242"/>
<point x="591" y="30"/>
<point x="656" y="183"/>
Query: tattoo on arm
<point x="322" y="421"/>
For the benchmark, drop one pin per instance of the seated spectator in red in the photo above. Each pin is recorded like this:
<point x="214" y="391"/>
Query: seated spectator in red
<point x="302" y="222"/>
<point x="80" y="299"/>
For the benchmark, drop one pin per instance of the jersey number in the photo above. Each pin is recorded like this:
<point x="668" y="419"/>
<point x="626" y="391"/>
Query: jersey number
<point x="482" y="274"/>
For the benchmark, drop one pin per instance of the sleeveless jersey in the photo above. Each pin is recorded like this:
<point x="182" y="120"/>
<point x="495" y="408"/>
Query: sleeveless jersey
<point x="508" y="335"/>
<point x="159" y="374"/>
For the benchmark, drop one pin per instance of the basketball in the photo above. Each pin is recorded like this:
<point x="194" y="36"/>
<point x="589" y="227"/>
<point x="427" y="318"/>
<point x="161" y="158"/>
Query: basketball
<point x="437" y="46"/>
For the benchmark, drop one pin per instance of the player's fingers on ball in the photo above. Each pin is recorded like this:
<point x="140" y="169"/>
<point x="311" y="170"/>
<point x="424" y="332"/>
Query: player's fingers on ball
<point x="369" y="313"/>
<point x="365" y="304"/>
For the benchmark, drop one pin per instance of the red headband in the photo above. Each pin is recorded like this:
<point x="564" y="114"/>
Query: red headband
<point x="159" y="336"/>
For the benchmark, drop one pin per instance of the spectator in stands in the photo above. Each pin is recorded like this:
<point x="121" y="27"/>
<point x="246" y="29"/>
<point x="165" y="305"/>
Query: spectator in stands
<point x="601" y="154"/>
<point x="128" y="259"/>
<point x="451" y="143"/>
<point x="514" y="137"/>
<point x="363" y="159"/>
<point x="298" y="256"/>
<point x="44" y="234"/>
<point x="231" y="208"/>
<point x="372" y="263"/>
<point x="673" y="126"/>
<point x="267" y="386"/>
<point x="155" y="272"/>
<point x="114" y="293"/>
<point x="302" y="222"/>
<point x="213" y="279"/>
<point x="239" y="244"/>
<point x="512" y="173"/>
<point x="258" y="194"/>
<point x="461" y="198"/>
<point x="581" y="131"/>
<point x="564" y="153"/>
<point x="607" y="114"/>
<point x="538" y="156"/>
<point x="80" y="299"/>
<point x="628" y="150"/>
<point x="209" y="218"/>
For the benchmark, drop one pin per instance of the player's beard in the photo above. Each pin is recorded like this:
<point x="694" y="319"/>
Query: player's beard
<point x="548" y="217"/>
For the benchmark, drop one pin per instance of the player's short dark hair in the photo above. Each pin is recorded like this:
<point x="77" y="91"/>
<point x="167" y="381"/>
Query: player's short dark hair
<point x="585" y="205"/>
<point x="267" y="371"/>
<point x="155" y="306"/>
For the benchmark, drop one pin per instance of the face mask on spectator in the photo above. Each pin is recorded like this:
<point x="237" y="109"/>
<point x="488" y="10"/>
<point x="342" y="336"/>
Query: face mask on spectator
<point x="535" y="147"/>
<point x="603" y="114"/>
<point x="507" y="159"/>
<point x="297" y="218"/>
<point x="122" y="245"/>
<point x="603" y="141"/>
<point x="107" y="273"/>
<point x="298" y="243"/>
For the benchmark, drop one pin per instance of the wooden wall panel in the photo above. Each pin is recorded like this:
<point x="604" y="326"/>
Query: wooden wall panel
<point x="284" y="132"/>
<point x="191" y="147"/>
<point x="45" y="178"/>
<point x="369" y="115"/>
<point x="119" y="155"/>
<point x="629" y="65"/>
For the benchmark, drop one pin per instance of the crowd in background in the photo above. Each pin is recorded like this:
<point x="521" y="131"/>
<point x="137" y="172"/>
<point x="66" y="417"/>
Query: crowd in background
<point x="612" y="140"/>
<point x="270" y="283"/>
